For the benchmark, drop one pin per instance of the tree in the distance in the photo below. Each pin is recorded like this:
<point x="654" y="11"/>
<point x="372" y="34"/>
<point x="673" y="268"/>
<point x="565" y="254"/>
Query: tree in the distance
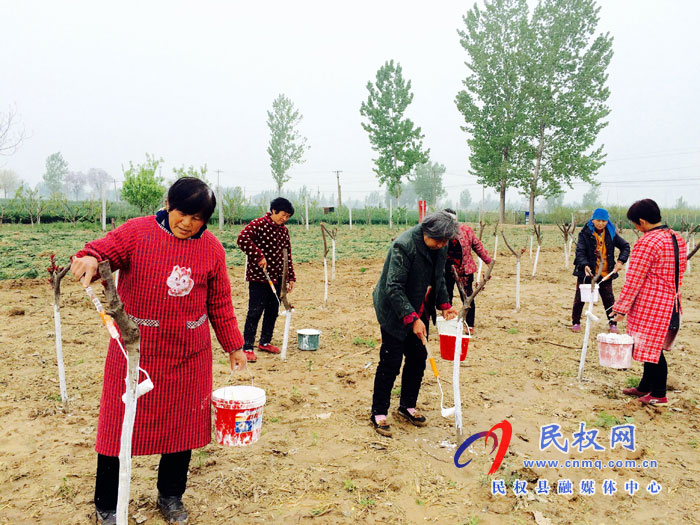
<point x="591" y="199"/>
<point x="75" y="182"/>
<point x="9" y="182"/>
<point x="191" y="171"/>
<point x="56" y="170"/>
<point x="427" y="181"/>
<point x="143" y="184"/>
<point x="398" y="143"/>
<point x="465" y="199"/>
<point x="98" y="180"/>
<point x="11" y="134"/>
<point x="287" y="145"/>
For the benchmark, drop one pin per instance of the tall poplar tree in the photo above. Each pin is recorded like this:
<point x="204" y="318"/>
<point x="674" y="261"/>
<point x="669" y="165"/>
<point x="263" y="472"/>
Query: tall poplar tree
<point x="427" y="182"/>
<point x="566" y="94"/>
<point x="398" y="143"/>
<point x="56" y="170"/>
<point x="287" y="145"/>
<point x="493" y="102"/>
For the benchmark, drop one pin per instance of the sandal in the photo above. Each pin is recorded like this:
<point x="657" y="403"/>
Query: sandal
<point x="382" y="428"/>
<point x="415" y="419"/>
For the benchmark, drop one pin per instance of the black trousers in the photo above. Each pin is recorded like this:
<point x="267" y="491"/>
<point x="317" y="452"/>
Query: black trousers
<point x="172" y="478"/>
<point x="450" y="282"/>
<point x="606" y="294"/>
<point x="654" y="378"/>
<point x="391" y="354"/>
<point x="260" y="300"/>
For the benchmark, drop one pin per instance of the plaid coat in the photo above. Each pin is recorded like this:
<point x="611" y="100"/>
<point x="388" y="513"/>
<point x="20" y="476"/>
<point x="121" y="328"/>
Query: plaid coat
<point x="172" y="288"/>
<point x="649" y="291"/>
<point x="469" y="241"/>
<point x="263" y="238"/>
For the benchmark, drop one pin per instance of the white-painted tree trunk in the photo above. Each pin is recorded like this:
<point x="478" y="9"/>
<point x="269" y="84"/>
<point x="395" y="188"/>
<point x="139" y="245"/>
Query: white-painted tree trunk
<point x="478" y="274"/>
<point x="455" y="379"/>
<point x="333" y="259"/>
<point x="132" y="376"/>
<point x="566" y="255"/>
<point x="586" y="333"/>
<point x="537" y="256"/>
<point x="325" y="279"/>
<point x="306" y="206"/>
<point x="245" y="267"/>
<point x="285" y="341"/>
<point x="570" y="251"/>
<point x="530" y="247"/>
<point x="59" y="354"/>
<point x="350" y="216"/>
<point x="517" y="286"/>
<point x="495" y="247"/>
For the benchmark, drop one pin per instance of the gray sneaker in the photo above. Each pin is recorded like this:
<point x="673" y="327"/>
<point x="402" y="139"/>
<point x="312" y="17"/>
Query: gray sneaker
<point x="108" y="517"/>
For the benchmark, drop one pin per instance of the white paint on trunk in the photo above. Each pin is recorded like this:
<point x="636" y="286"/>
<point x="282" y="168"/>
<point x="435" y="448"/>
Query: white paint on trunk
<point x="587" y="331"/>
<point x="455" y="379"/>
<point x="325" y="279"/>
<point x="333" y="259"/>
<point x="245" y="266"/>
<point x="132" y="375"/>
<point x="495" y="247"/>
<point x="478" y="274"/>
<point x="306" y="206"/>
<point x="530" y="247"/>
<point x="285" y="341"/>
<point x="537" y="256"/>
<point x="59" y="353"/>
<point x="517" y="286"/>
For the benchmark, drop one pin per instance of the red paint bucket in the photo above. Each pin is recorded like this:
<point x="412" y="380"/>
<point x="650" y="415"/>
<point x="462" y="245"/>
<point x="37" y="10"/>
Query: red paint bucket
<point x="238" y="412"/>
<point x="448" y="339"/>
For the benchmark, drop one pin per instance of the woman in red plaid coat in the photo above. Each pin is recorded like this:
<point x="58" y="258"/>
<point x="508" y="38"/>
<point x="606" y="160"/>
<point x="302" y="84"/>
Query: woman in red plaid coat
<point x="173" y="283"/>
<point x="650" y="296"/>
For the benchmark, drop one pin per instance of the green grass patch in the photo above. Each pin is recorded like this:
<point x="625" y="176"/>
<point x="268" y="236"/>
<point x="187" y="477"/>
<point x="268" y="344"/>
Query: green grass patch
<point x="370" y="342"/>
<point x="632" y="381"/>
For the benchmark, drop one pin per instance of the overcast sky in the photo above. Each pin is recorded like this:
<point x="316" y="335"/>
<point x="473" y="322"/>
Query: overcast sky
<point x="191" y="82"/>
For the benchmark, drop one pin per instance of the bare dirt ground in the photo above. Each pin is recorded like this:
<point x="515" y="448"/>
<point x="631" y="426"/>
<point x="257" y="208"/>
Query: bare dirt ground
<point x="318" y="459"/>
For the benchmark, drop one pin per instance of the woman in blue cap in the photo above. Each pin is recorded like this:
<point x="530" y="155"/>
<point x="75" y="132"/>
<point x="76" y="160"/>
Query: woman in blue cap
<point x="598" y="237"/>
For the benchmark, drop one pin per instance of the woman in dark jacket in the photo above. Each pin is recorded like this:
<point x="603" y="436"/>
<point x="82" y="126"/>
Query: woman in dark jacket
<point x="598" y="236"/>
<point x="413" y="268"/>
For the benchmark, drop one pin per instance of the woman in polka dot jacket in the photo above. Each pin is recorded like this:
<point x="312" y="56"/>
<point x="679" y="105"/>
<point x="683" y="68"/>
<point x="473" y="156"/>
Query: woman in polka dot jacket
<point x="264" y="241"/>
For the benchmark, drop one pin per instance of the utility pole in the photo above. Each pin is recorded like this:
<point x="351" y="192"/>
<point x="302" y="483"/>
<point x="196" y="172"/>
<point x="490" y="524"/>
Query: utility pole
<point x="219" y="199"/>
<point x="337" y="176"/>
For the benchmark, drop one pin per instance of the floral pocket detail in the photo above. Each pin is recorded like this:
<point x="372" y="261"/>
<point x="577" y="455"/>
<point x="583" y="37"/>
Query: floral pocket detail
<point x="180" y="282"/>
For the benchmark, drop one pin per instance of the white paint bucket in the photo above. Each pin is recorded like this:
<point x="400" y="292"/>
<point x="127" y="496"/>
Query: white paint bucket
<point x="586" y="293"/>
<point x="238" y="412"/>
<point x="615" y="350"/>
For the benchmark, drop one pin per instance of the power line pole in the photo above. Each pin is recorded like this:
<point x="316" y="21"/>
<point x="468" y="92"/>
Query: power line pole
<point x="219" y="199"/>
<point x="337" y="175"/>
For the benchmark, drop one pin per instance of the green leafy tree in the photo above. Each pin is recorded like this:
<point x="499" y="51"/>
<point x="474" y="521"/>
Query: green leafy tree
<point x="566" y="94"/>
<point x="287" y="145"/>
<point x="493" y="101"/>
<point x="398" y="143"/>
<point x="191" y="171"/>
<point x="31" y="201"/>
<point x="591" y="199"/>
<point x="143" y="184"/>
<point x="56" y="170"/>
<point x="427" y="182"/>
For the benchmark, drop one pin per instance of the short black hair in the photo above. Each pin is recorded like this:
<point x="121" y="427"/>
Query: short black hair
<point x="192" y="196"/>
<point x="450" y="210"/>
<point x="645" y="209"/>
<point x="281" y="204"/>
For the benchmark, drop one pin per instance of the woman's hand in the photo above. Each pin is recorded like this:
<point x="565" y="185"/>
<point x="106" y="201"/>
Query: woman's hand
<point x="419" y="329"/>
<point x="587" y="271"/>
<point x="619" y="265"/>
<point x="238" y="360"/>
<point x="84" y="269"/>
<point x="290" y="286"/>
<point x="449" y="314"/>
<point x="263" y="263"/>
<point x="618" y="317"/>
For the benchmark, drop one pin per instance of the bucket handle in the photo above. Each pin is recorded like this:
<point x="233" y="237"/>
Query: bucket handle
<point x="250" y="375"/>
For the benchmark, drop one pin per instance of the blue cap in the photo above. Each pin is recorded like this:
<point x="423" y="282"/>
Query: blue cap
<point x="600" y="214"/>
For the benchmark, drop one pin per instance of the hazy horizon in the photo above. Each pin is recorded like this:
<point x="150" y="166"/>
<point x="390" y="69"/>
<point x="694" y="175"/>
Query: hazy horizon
<point x="192" y="83"/>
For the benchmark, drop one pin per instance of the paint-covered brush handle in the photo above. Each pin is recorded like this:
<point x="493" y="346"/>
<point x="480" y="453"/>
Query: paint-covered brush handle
<point x="433" y="366"/>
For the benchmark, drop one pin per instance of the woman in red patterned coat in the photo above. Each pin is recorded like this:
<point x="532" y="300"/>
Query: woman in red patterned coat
<point x="173" y="283"/>
<point x="459" y="254"/>
<point x="651" y="298"/>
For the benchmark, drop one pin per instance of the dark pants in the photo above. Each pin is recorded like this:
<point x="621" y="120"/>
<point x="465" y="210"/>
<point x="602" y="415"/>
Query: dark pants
<point x="391" y="354"/>
<point x="450" y="283"/>
<point x="260" y="299"/>
<point x="606" y="294"/>
<point x="172" y="478"/>
<point x="654" y="378"/>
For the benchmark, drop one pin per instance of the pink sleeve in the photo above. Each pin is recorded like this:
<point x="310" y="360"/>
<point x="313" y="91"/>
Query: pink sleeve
<point x="479" y="248"/>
